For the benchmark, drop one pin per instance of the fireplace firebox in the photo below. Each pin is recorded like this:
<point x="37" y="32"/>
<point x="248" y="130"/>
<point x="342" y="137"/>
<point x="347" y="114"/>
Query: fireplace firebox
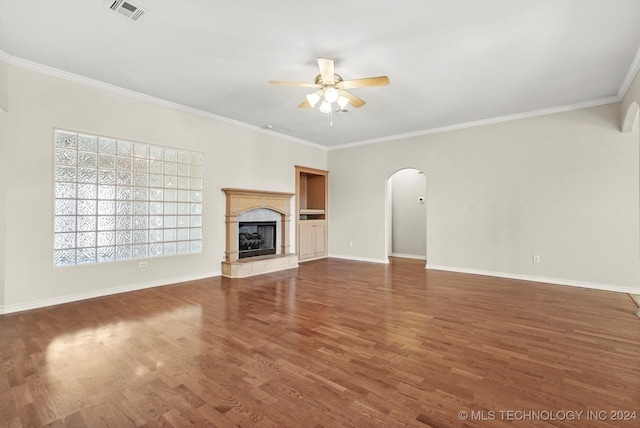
<point x="256" y="238"/>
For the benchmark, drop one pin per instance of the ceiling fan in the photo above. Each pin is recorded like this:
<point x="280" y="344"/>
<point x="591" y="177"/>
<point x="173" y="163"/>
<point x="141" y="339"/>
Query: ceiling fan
<point x="331" y="88"/>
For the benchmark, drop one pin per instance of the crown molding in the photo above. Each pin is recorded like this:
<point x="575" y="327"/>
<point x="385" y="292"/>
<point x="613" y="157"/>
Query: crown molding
<point x="631" y="74"/>
<point x="33" y="66"/>
<point x="482" y="122"/>
<point x="624" y="87"/>
<point x="76" y="78"/>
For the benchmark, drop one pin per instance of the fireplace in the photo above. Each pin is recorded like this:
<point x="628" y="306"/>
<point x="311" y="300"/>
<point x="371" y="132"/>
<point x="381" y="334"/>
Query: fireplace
<point x="256" y="238"/>
<point x="246" y="208"/>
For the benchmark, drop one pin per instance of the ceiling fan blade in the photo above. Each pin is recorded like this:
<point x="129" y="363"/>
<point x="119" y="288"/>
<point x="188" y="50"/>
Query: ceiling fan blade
<point x="304" y="85"/>
<point x="353" y="100"/>
<point x="327" y="70"/>
<point x="304" y="104"/>
<point x="367" y="81"/>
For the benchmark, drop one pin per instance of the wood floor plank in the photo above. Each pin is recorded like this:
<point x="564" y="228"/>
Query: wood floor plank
<point x="332" y="343"/>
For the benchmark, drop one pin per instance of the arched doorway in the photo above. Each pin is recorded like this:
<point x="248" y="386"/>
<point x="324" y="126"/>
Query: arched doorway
<point x="407" y="214"/>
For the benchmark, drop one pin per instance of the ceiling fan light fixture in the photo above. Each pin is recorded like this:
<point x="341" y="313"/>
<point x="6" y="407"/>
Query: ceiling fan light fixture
<point x="325" y="107"/>
<point x="342" y="102"/>
<point x="313" y="99"/>
<point x="330" y="94"/>
<point x="332" y="88"/>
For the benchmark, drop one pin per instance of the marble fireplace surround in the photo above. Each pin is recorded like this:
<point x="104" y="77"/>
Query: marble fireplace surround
<point x="242" y="200"/>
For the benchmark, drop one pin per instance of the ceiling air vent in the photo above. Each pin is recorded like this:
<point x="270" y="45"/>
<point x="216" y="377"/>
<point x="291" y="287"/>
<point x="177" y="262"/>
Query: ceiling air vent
<point x="127" y="9"/>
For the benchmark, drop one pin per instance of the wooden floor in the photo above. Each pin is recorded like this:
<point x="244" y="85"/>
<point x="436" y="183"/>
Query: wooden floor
<point x="332" y="344"/>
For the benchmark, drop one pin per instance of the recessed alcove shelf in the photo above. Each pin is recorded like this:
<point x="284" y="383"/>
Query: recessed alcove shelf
<point x="312" y="188"/>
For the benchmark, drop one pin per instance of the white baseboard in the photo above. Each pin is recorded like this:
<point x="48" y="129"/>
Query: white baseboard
<point x="408" y="256"/>
<point x="569" y="282"/>
<point x="35" y="304"/>
<point x="358" y="259"/>
<point x="7" y="309"/>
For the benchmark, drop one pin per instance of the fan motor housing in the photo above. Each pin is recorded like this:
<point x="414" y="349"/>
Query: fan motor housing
<point x="336" y="80"/>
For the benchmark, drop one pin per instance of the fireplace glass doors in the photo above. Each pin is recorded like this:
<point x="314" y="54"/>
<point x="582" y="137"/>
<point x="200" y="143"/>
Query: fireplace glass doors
<point x="256" y="238"/>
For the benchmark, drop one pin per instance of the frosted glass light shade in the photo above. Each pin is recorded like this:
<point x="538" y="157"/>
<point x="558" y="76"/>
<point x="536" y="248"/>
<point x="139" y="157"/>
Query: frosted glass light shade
<point x="313" y="99"/>
<point x="325" y="107"/>
<point x="343" y="101"/>
<point x="331" y="95"/>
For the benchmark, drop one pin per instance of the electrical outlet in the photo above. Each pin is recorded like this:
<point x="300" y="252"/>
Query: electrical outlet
<point x="536" y="258"/>
<point x="143" y="264"/>
<point x="351" y="244"/>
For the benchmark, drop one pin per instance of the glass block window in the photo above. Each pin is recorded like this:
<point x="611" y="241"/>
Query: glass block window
<point x="121" y="200"/>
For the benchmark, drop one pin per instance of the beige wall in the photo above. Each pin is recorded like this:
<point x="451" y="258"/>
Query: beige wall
<point x="233" y="156"/>
<point x="564" y="186"/>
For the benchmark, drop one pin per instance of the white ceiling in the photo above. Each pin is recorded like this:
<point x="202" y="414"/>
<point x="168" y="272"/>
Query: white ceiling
<point x="451" y="63"/>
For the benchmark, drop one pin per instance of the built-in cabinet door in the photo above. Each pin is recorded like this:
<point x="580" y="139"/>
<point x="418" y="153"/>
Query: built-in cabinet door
<point x="320" y="244"/>
<point x="307" y="238"/>
<point x="313" y="240"/>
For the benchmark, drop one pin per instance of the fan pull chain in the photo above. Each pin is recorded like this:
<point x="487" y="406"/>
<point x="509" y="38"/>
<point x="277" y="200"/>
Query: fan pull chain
<point x="331" y="117"/>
